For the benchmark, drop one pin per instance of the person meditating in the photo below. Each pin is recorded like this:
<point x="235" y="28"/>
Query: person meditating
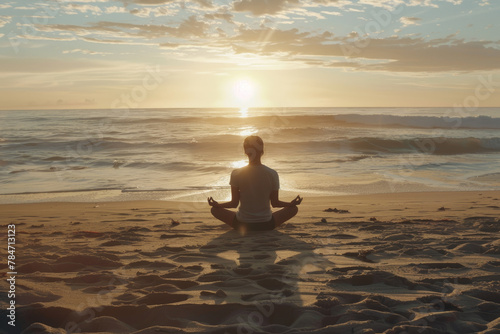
<point x="255" y="188"/>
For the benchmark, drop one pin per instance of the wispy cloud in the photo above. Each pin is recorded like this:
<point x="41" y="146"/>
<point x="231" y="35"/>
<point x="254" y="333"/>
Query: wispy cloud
<point x="398" y="54"/>
<point x="4" y="20"/>
<point x="86" y="52"/>
<point x="326" y="12"/>
<point x="449" y="38"/>
<point x="203" y="3"/>
<point x="73" y="9"/>
<point x="60" y="38"/>
<point x="409" y="21"/>
<point x="262" y="7"/>
<point x="153" y="11"/>
<point x="190" y="27"/>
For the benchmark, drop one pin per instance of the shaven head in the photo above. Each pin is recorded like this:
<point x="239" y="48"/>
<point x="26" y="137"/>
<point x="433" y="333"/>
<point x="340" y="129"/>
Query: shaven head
<point x="254" y="147"/>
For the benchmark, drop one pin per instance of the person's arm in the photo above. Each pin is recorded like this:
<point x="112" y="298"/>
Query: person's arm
<point x="277" y="203"/>
<point x="235" y="200"/>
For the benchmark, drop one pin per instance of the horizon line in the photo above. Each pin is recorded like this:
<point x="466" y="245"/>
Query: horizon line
<point x="250" y="108"/>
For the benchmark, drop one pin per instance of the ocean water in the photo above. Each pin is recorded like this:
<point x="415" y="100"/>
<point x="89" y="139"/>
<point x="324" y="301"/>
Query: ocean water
<point x="189" y="153"/>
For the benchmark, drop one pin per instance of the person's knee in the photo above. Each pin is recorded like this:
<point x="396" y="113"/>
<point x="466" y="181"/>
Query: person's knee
<point x="214" y="210"/>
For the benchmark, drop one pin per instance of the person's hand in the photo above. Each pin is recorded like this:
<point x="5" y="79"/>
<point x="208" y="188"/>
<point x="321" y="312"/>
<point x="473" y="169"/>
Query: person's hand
<point x="212" y="202"/>
<point x="297" y="200"/>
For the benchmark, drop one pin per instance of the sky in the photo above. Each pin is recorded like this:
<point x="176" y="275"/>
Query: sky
<point x="103" y="54"/>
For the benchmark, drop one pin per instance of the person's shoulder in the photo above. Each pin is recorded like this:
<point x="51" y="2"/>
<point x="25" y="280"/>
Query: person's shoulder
<point x="269" y="169"/>
<point x="238" y="170"/>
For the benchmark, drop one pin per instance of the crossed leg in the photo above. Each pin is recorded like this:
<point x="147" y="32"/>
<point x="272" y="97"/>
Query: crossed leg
<point x="225" y="215"/>
<point x="284" y="215"/>
<point x="280" y="216"/>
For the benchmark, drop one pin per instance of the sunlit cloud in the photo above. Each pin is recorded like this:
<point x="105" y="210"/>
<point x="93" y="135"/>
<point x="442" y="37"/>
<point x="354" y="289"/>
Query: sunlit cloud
<point x="203" y="3"/>
<point x="61" y="38"/>
<point x="331" y="13"/>
<point x="114" y="10"/>
<point x="153" y="11"/>
<point x="408" y="21"/>
<point x="25" y="8"/>
<point x="84" y="1"/>
<point x="4" y="20"/>
<point x="397" y="54"/>
<point x="272" y="38"/>
<point x="85" y="52"/>
<point x="188" y="28"/>
<point x="261" y="7"/>
<point x="73" y="9"/>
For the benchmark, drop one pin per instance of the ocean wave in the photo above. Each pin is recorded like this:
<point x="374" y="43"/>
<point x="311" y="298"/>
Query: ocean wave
<point x="479" y="122"/>
<point x="488" y="177"/>
<point x="282" y="120"/>
<point x="56" y="158"/>
<point x="228" y="145"/>
<point x="368" y="145"/>
<point x="435" y="145"/>
<point x="50" y="169"/>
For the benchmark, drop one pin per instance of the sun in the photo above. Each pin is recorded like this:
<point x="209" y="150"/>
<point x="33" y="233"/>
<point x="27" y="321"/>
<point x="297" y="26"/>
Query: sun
<point x="244" y="91"/>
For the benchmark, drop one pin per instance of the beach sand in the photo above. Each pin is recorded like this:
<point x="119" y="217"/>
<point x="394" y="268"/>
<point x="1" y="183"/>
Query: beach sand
<point x="388" y="263"/>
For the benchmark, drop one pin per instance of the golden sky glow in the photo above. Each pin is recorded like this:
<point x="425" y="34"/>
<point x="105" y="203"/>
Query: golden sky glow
<point x="247" y="53"/>
<point x="244" y="91"/>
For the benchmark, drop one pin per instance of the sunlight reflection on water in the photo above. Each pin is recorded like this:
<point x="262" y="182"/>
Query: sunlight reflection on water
<point x="243" y="112"/>
<point x="239" y="163"/>
<point x="247" y="131"/>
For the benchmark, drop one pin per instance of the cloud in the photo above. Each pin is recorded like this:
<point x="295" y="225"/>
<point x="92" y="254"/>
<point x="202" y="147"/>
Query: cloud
<point x="422" y="3"/>
<point x="396" y="54"/>
<point x="148" y="2"/>
<point x="49" y="38"/>
<point x="408" y="21"/>
<point x="388" y="4"/>
<point x="220" y="16"/>
<point x="203" y="3"/>
<point x="220" y="30"/>
<point x="101" y="40"/>
<point x="262" y="7"/>
<point x="326" y="12"/>
<point x="333" y="3"/>
<point x="85" y="52"/>
<point x="190" y="27"/>
<point x="25" y="8"/>
<point x="4" y="20"/>
<point x="307" y="13"/>
<point x="153" y="11"/>
<point x="268" y="37"/>
<point x="417" y="55"/>
<point x="170" y="45"/>
<point x="85" y="1"/>
<point x="115" y="9"/>
<point x="78" y="8"/>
